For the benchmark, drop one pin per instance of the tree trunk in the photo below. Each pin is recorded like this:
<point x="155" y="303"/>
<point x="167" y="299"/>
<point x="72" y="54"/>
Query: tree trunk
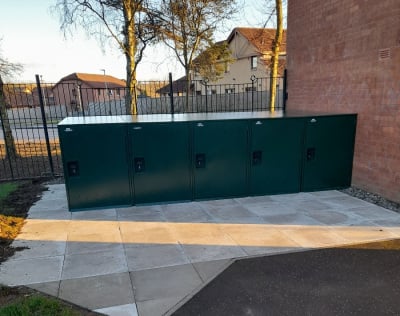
<point x="188" y="81"/>
<point x="11" y="150"/>
<point x="275" y="54"/>
<point x="130" y="54"/>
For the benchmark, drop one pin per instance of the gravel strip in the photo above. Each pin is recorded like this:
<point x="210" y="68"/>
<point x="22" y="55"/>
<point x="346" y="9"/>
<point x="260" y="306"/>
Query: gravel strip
<point x="372" y="198"/>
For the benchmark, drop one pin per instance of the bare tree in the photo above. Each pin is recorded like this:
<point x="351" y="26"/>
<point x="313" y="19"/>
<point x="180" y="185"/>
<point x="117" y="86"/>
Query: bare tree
<point x="7" y="70"/>
<point x="131" y="24"/>
<point x="189" y="27"/>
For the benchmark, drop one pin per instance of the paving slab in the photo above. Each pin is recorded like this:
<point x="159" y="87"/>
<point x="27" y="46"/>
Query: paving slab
<point x="99" y="291"/>
<point x="50" y="288"/>
<point x="121" y="310"/>
<point x="167" y="282"/>
<point x="28" y="271"/>
<point x="210" y="269"/>
<point x="104" y="262"/>
<point x="157" y="307"/>
<point x="149" y="256"/>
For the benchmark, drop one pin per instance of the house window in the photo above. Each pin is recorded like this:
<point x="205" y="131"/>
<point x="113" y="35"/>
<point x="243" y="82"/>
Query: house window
<point x="98" y="92"/>
<point x="249" y="89"/>
<point x="253" y="62"/>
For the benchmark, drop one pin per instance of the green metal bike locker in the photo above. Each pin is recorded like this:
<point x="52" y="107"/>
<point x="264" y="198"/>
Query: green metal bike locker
<point x="160" y="160"/>
<point x="328" y="152"/>
<point x="95" y="162"/>
<point x="275" y="155"/>
<point x="220" y="159"/>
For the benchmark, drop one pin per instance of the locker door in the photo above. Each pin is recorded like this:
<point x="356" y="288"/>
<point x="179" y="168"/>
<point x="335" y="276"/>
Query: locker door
<point x="95" y="165"/>
<point x="160" y="162"/>
<point x="328" y="152"/>
<point x="276" y="146"/>
<point x="220" y="158"/>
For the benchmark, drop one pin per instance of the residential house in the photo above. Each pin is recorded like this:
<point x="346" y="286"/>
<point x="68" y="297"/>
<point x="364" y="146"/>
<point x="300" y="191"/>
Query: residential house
<point x="179" y="88"/>
<point x="250" y="53"/>
<point x="78" y="90"/>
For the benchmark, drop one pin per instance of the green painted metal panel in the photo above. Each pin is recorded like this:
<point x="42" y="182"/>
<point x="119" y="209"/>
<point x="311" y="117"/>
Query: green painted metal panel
<point x="220" y="158"/>
<point x="95" y="165"/>
<point x="160" y="162"/>
<point x="328" y="152"/>
<point x="276" y="146"/>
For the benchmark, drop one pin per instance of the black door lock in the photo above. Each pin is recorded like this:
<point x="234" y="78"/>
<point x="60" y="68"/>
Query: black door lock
<point x="139" y="164"/>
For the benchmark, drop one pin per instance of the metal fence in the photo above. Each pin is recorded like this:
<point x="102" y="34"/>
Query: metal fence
<point x="29" y="113"/>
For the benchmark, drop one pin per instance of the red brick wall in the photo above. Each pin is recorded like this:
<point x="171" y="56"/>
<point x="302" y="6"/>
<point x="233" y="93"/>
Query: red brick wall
<point x="334" y="64"/>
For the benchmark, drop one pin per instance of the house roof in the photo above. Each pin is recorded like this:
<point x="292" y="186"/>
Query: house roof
<point x="95" y="80"/>
<point x="261" y="38"/>
<point x="178" y="86"/>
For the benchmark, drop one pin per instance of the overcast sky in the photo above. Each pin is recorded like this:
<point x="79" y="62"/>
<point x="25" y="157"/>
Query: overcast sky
<point x="31" y="36"/>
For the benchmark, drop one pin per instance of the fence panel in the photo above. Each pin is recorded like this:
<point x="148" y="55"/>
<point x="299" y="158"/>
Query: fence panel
<point x="24" y="152"/>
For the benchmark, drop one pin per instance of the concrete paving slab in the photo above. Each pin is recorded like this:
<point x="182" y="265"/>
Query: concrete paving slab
<point x="372" y="212"/>
<point x="327" y="194"/>
<point x="141" y="257"/>
<point x="151" y="213"/>
<point x="313" y="236"/>
<point x="54" y="204"/>
<point x="167" y="282"/>
<point x="98" y="292"/>
<point x="38" y="249"/>
<point x="260" y="239"/>
<point x="210" y="269"/>
<point x="232" y="214"/>
<point x="50" y="288"/>
<point x="361" y="234"/>
<point x="94" y="263"/>
<point x="50" y="214"/>
<point x="269" y="208"/>
<point x="346" y="202"/>
<point x="74" y="248"/>
<point x="44" y="230"/>
<point x="254" y="200"/>
<point x="333" y="217"/>
<point x="147" y="233"/>
<point x="185" y="212"/>
<point x="29" y="271"/>
<point x="308" y="205"/>
<point x="198" y="253"/>
<point x="291" y="219"/>
<point x="96" y="215"/>
<point x="121" y="310"/>
<point x="157" y="307"/>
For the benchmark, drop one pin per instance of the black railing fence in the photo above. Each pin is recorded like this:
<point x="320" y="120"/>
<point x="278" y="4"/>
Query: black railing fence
<point x="29" y="113"/>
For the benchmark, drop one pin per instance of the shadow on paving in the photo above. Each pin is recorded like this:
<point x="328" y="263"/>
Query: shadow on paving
<point x="356" y="280"/>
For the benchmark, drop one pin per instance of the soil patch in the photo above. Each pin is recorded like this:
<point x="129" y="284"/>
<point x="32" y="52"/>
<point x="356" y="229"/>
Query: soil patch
<point x="13" y="210"/>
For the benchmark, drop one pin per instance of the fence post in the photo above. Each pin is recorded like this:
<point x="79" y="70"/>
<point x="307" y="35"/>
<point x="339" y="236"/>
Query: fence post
<point x="46" y="133"/>
<point x="285" y="94"/>
<point x="171" y="93"/>
<point x="2" y="119"/>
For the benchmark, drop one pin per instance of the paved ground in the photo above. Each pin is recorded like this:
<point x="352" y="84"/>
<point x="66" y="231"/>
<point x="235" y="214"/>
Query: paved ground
<point x="359" y="281"/>
<point x="147" y="260"/>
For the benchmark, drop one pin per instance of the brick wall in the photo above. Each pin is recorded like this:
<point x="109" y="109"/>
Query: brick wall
<point x="344" y="56"/>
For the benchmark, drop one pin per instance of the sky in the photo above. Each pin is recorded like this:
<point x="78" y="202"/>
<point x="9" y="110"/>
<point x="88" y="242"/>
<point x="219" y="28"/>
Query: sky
<point x="31" y="36"/>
